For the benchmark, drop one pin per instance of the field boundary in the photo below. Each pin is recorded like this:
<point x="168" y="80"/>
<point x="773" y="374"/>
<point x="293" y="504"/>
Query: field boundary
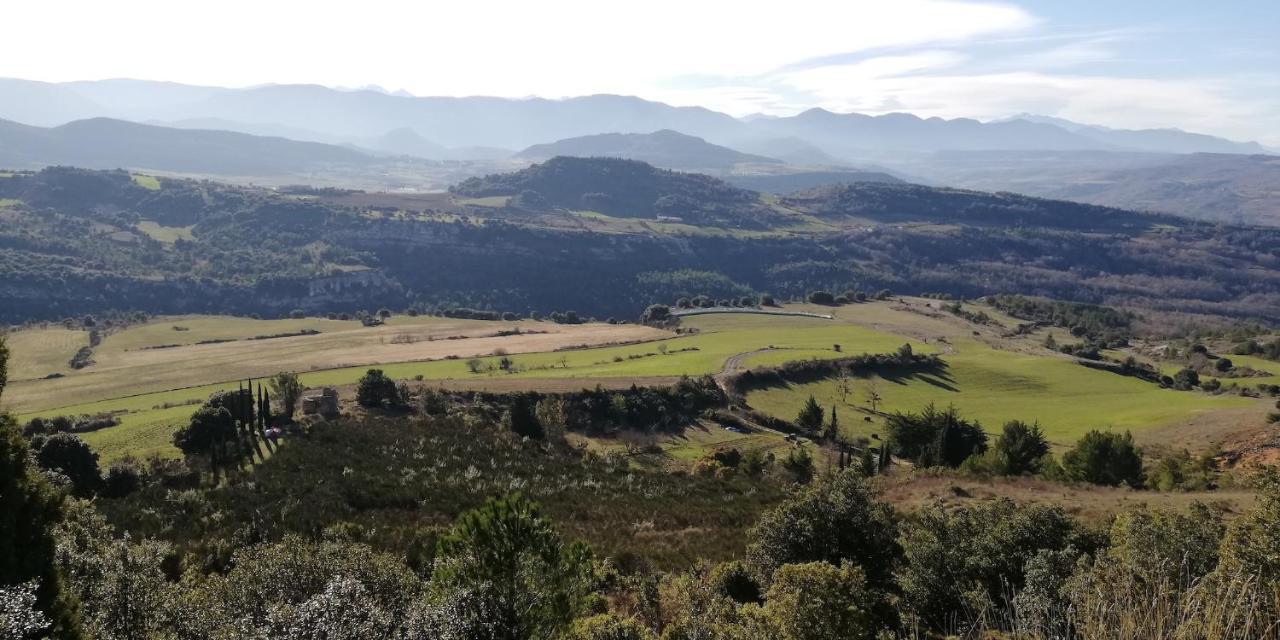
<point x="572" y="348"/>
<point x="684" y="313"/>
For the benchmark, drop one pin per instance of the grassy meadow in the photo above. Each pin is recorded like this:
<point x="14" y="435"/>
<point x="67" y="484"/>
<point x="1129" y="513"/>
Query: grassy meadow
<point x="153" y="389"/>
<point x="167" y="235"/>
<point x="994" y="386"/>
<point x="989" y="378"/>
<point x="146" y="182"/>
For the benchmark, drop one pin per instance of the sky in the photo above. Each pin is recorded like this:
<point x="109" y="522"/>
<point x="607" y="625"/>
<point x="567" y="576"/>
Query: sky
<point x="1206" y="66"/>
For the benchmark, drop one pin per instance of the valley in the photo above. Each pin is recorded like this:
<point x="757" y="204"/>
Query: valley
<point x="913" y="320"/>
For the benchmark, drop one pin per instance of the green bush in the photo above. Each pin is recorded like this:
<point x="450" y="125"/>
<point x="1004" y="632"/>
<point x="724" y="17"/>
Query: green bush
<point x="1105" y="458"/>
<point x="934" y="437"/>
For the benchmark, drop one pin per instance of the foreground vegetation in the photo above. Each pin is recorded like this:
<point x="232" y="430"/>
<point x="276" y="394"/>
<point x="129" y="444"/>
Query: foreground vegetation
<point x="467" y="515"/>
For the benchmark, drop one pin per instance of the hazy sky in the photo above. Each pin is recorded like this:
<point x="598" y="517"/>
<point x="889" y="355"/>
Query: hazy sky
<point x="1210" y="66"/>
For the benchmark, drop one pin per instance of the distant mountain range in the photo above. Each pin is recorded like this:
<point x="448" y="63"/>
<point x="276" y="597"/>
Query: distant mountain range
<point x="105" y="143"/>
<point x="372" y="139"/>
<point x="359" y="116"/>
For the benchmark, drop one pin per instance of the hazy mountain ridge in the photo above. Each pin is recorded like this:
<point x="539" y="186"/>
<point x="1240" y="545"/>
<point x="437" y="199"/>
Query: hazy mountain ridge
<point x="105" y="143"/>
<point x="1238" y="189"/>
<point x="666" y="148"/>
<point x="518" y="123"/>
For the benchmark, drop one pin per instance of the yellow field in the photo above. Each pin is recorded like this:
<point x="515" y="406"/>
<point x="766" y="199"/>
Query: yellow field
<point x="165" y="353"/>
<point x="40" y="352"/>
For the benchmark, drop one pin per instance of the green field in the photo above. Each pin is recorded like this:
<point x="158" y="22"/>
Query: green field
<point x="167" y="235"/>
<point x="1254" y="362"/>
<point x="988" y="378"/>
<point x="146" y="423"/>
<point x="994" y="386"/>
<point x="146" y="182"/>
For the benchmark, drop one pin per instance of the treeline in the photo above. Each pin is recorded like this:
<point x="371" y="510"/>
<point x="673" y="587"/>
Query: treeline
<point x="903" y="362"/>
<point x="1100" y="325"/>
<point x="595" y="412"/>
<point x="888" y="202"/>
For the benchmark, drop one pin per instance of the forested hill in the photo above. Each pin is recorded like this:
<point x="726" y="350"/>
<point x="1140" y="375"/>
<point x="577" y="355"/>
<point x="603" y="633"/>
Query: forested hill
<point x="884" y="202"/>
<point x="625" y="188"/>
<point x="75" y="241"/>
<point x="666" y="148"/>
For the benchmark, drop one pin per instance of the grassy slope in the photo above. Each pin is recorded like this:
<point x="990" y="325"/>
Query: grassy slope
<point x="126" y="367"/>
<point x="995" y="386"/>
<point x="40" y="352"/>
<point x="146" y="182"/>
<point x="1092" y="504"/>
<point x="164" y="234"/>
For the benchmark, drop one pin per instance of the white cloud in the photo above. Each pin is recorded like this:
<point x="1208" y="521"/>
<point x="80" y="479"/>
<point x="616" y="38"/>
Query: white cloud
<point x="931" y="57"/>
<point x="511" y="48"/>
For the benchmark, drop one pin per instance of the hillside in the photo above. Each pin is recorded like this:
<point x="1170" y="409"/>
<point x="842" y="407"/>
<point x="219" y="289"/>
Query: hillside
<point x="625" y="188"/>
<point x="785" y="183"/>
<point x="884" y="202"/>
<point x="1150" y="140"/>
<point x="667" y="149"/>
<point x="103" y="143"/>
<point x="78" y="241"/>
<point x="1237" y="189"/>
<point x="1218" y="187"/>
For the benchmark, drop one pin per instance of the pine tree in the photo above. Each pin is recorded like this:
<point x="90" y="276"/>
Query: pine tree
<point x="810" y="418"/>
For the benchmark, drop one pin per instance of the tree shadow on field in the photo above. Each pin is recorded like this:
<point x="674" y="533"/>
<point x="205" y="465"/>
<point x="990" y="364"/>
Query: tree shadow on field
<point x="935" y="375"/>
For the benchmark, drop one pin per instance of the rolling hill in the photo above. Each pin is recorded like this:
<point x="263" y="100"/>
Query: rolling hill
<point x="625" y="188"/>
<point x="667" y="149"/>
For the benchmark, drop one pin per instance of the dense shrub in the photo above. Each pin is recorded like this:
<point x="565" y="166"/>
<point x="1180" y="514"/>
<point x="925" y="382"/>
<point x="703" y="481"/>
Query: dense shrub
<point x="65" y="454"/>
<point x="935" y="437"/>
<point x="963" y="564"/>
<point x="375" y="389"/>
<point x="1104" y="458"/>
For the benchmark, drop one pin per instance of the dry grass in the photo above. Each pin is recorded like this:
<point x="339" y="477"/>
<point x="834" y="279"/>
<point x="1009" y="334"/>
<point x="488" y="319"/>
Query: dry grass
<point x="39" y="352"/>
<point x="125" y="366"/>
<point x="910" y="491"/>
